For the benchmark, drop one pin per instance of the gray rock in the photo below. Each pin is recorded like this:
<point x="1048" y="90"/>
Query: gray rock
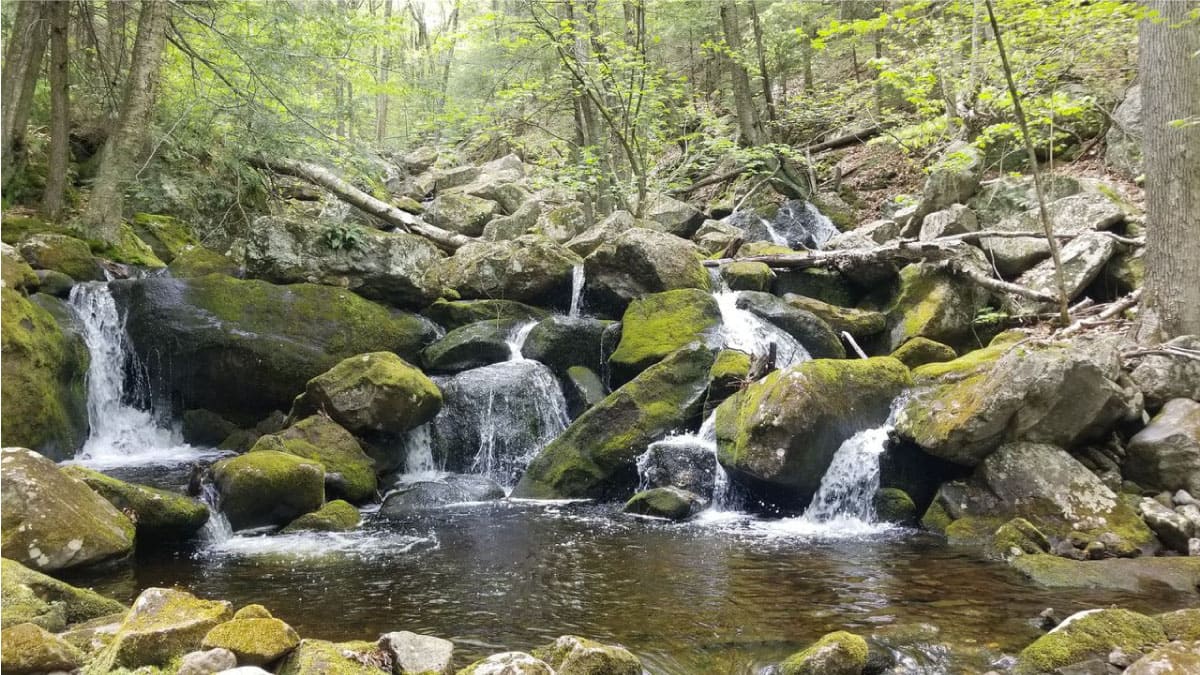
<point x="1192" y="513"/>
<point x="952" y="180"/>
<point x="1161" y="378"/>
<point x="471" y="346"/>
<point x="561" y="342"/>
<point x="1172" y="528"/>
<point x="563" y="223"/>
<point x="680" y="462"/>
<point x="955" y="219"/>
<point x="1083" y="259"/>
<point x="455" y="177"/>
<point x="1166" y="454"/>
<point x="55" y="283"/>
<point x="1123" y="142"/>
<point x="207" y="662"/>
<point x="1008" y="196"/>
<point x="461" y="213"/>
<point x="451" y="314"/>
<point x="420" y="159"/>
<point x="510" y="227"/>
<point x="1070" y="215"/>
<point x="530" y="268"/>
<point x="418" y="654"/>
<point x="667" y="214"/>
<point x="572" y="655"/>
<point x="816" y="335"/>
<point x="508" y="663"/>
<point x="664" y="502"/>
<point x="582" y="388"/>
<point x="714" y="235"/>
<point x="413" y="498"/>
<point x="638" y="262"/>
<point x="612" y="225"/>
<point x="931" y="303"/>
<point x="1183" y="497"/>
<point x="866" y="235"/>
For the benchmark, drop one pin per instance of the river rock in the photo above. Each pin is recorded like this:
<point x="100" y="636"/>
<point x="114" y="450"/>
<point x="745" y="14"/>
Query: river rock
<point x="920" y="351"/>
<point x="582" y="388"/>
<point x="1176" y="658"/>
<point x="608" y="228"/>
<point x="336" y="658"/>
<point x="930" y="303"/>
<point x="1090" y="634"/>
<point x="679" y="463"/>
<point x="375" y="392"/>
<point x="530" y="268"/>
<point x="268" y="487"/>
<point x="26" y="648"/>
<point x="838" y="653"/>
<point x="955" y="219"/>
<point x="1059" y="393"/>
<point x="62" y="253"/>
<point x="858" y="322"/>
<point x="158" y="514"/>
<point x="164" y="625"/>
<point x="1123" y="142"/>
<point x="246" y="348"/>
<point x="418" y="654"/>
<point x="747" y="276"/>
<point x="1174" y="529"/>
<point x="594" y="457"/>
<point x="207" y="662"/>
<point x="573" y="655"/>
<point x="255" y="642"/>
<point x="414" y="497"/>
<point x="17" y="273"/>
<point x="461" y="213"/>
<point x="729" y="373"/>
<point x="509" y="663"/>
<point x="335" y="516"/>
<point x="197" y="261"/>
<point x="349" y="473"/>
<point x="714" y="236"/>
<point x="33" y="597"/>
<point x="563" y="223"/>
<point x="522" y="221"/>
<point x="1161" y="378"/>
<point x="44" y="397"/>
<point x="383" y="266"/>
<point x="451" y="314"/>
<point x="420" y="159"/>
<point x="564" y="341"/>
<point x="671" y="503"/>
<point x="638" y="262"/>
<point x="52" y="521"/>
<point x="808" y="329"/>
<point x="1070" y="215"/>
<point x="951" y="180"/>
<point x="893" y="505"/>
<point x="1165" y="455"/>
<point x="1083" y="259"/>
<point x="52" y="283"/>
<point x="1181" y="624"/>
<point x="656" y="325"/>
<point x="778" y="435"/>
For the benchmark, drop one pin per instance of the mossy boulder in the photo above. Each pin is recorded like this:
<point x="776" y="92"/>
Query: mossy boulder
<point x="33" y="597"/>
<point x="163" y="625"/>
<point x="52" y="521"/>
<point x="62" y="253"/>
<point x="562" y="223"/>
<point x="656" y="325"/>
<point x="921" y="350"/>
<point x="459" y="212"/>
<point x="246" y="348"/>
<point x="509" y="663"/>
<point x="838" y="653"/>
<point x="158" y="514"/>
<point x="335" y="516"/>
<point x="1182" y="624"/>
<point x="809" y="330"/>
<point x="530" y="268"/>
<point x="333" y="658"/>
<point x="128" y="249"/>
<point x="582" y="388"/>
<point x="1135" y="575"/>
<point x="858" y="322"/>
<point x="638" y="262"/>
<point x="1087" y="635"/>
<point x="255" y="642"/>
<point x="952" y="179"/>
<point x="729" y="373"/>
<point x="349" y="471"/>
<point x="893" y="505"/>
<point x="595" y="456"/>
<point x="17" y="273"/>
<point x="930" y="303"/>
<point x="451" y="314"/>
<point x="26" y="648"/>
<point x="747" y="276"/>
<point x="197" y="261"/>
<point x="375" y="392"/>
<point x="166" y="236"/>
<point x="44" y="397"/>
<point x="205" y="427"/>
<point x="471" y="346"/>
<point x="778" y="435"/>
<point x="268" y="488"/>
<point x="1176" y="658"/>
<point x="573" y="655"/>
<point x="564" y="341"/>
<point x="1018" y="537"/>
<point x="671" y="503"/>
<point x="55" y="284"/>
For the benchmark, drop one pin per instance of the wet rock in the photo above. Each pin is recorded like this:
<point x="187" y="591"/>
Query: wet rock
<point x="1123" y="142"/>
<point x="336" y="658"/>
<point x="802" y="225"/>
<point x="1161" y="378"/>
<point x="375" y="392"/>
<point x="828" y="286"/>
<point x="382" y="266"/>
<point x="1083" y="259"/>
<point x="582" y="388"/>
<point x="33" y="597"/>
<point x="562" y="341"/>
<point x="268" y="487"/>
<point x="207" y="662"/>
<point x="349" y="473"/>
<point x="205" y="428"/>
<point x="730" y="372"/>
<point x="197" y="261"/>
<point x="509" y="663"/>
<point x="164" y="625"/>
<point x="747" y="276"/>
<point x="255" y="642"/>
<point x="530" y="268"/>
<point x="158" y="514"/>
<point x="62" y="253"/>
<point x="1172" y="528"/>
<point x="930" y="303"/>
<point x="52" y="283"/>
<point x="656" y="325"/>
<point x="594" y="457"/>
<point x="778" y="435"/>
<point x="471" y="346"/>
<point x="639" y="262"/>
<point x="1070" y="215"/>
<point x="808" y="329"/>
<point x="858" y="322"/>
<point x="679" y="463"/>
<point x="412" y="498"/>
<point x="1090" y="634"/>
<point x="951" y="180"/>
<point x="920" y="351"/>
<point x="166" y="236"/>
<point x="52" y="521"/>
<point x="573" y="655"/>
<point x="955" y="219"/>
<point x="1165" y="455"/>
<point x="671" y="503"/>
<point x="838" y="653"/>
<point x="26" y="648"/>
<point x="893" y="505"/>
<point x="461" y="213"/>
<point x="245" y="348"/>
<point x="335" y="516"/>
<point x="418" y="654"/>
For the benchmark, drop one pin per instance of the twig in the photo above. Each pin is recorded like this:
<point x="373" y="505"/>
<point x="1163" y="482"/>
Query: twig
<point x="1112" y="310"/>
<point x="850" y="340"/>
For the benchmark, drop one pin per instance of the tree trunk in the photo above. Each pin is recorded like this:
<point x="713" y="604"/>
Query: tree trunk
<point x="768" y="94"/>
<point x="381" y="99"/>
<point x="22" y="66"/>
<point x="60" y="111"/>
<point x="105" y="209"/>
<point x="1169" y="70"/>
<point x="742" y="99"/>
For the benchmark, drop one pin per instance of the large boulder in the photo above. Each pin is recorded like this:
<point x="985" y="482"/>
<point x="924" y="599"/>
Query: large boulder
<point x="52" y="521"/>
<point x="349" y="471"/>
<point x="778" y="435"/>
<point x="530" y="268"/>
<point x="1175" y="658"/>
<point x="246" y="348"/>
<point x="1070" y="215"/>
<point x="1090" y="634"/>
<point x="415" y="497"/>
<point x="1162" y="377"/>
<point x="44" y="399"/>
<point x="667" y="214"/>
<point x="656" y="325"/>
<point x="1123" y="142"/>
<point x="166" y="236"/>
<point x="592" y="238"/>
<point x="951" y="180"/>
<point x="860" y="323"/>
<point x="254" y="641"/>
<point x="418" y="654"/>
<point x="375" y="392"/>
<point x="268" y="488"/>
<point x="573" y="655"/>
<point x="33" y="597"/>
<point x="1166" y="454"/>
<point x="563" y="223"/>
<point x="809" y="330"/>
<point x="471" y="346"/>
<point x="1011" y="195"/>
<point x="637" y="262"/>
<point x="1083" y="259"/>
<point x="388" y="267"/>
<point x="18" y="275"/>
<point x="62" y="253"/>
<point x="561" y="342"/>
<point x="521" y="222"/>
<point x="164" y="625"/>
<point x="595" y="456"/>
<point x="26" y="649"/>
<point x="451" y="314"/>
<point x="933" y="304"/>
<point x="336" y="658"/>
<point x="462" y="213"/>
<point x="1060" y="393"/>
<point x="838" y="653"/>
<point x="197" y="261"/>
<point x="158" y="514"/>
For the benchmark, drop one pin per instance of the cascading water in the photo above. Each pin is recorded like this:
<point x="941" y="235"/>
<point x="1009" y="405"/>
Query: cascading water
<point x="418" y="452"/>
<point x="516" y="340"/>
<point x="217" y="528"/>
<point x="850" y="482"/>
<point x="744" y="331"/>
<point x="577" y="279"/>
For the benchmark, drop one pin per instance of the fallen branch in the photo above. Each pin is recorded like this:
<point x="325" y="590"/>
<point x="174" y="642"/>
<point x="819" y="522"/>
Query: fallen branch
<point x="711" y="180"/>
<point x="997" y="285"/>
<point x="319" y="175"/>
<point x="850" y="341"/>
<point x="1109" y="312"/>
<point x="1163" y="350"/>
<point x="974" y="237"/>
<point x="852" y="138"/>
<point x="850" y="258"/>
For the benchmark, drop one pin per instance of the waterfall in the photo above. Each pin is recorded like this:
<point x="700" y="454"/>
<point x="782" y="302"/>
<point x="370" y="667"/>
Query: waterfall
<point x="723" y="496"/>
<point x="577" y="279"/>
<point x="745" y="331"/>
<point x="516" y="340"/>
<point x="217" y="529"/>
<point x="848" y="487"/>
<point x="776" y="238"/>
<point x="418" y="451"/>
<point x="120" y="433"/>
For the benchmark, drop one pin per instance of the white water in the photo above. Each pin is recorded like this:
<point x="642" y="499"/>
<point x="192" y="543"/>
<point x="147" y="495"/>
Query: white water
<point x="418" y="453"/>
<point x="745" y="331"/>
<point x="120" y="434"/>
<point x="516" y="340"/>
<point x="217" y="529"/>
<point x="850" y="482"/>
<point x="776" y="238"/>
<point x="823" y="228"/>
<point x="577" y="280"/>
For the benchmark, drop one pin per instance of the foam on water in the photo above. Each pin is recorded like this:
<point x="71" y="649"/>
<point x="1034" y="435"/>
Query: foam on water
<point x="309" y="545"/>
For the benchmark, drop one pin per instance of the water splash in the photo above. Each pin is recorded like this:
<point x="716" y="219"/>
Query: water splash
<point x="217" y="529"/>
<point x="747" y="332"/>
<point x="849" y="484"/>
<point x="577" y="279"/>
<point x="516" y="340"/>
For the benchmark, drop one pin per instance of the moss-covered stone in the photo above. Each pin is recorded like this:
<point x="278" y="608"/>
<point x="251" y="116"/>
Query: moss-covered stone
<point x="747" y="276"/>
<point x="1018" y="537"/>
<point x="165" y="235"/>
<point x="656" y="325"/>
<point x="1177" y="658"/>
<point x="1182" y="624"/>
<point x="164" y="625"/>
<point x="255" y="642"/>
<point x="44" y="403"/>
<point x="930" y="303"/>
<point x="573" y="655"/>
<point x="375" y="392"/>
<point x="594" y="457"/>
<point x="26" y="648"/>
<point x="893" y="505"/>
<point x="530" y="268"/>
<point x="62" y="253"/>
<point x="253" y="611"/>
<point x="1126" y="574"/>
<point x="333" y="658"/>
<point x="462" y="213"/>
<point x="128" y="249"/>
<point x="33" y="597"/>
<point x="55" y="284"/>
<point x="857" y="322"/>
<point x="561" y="342"/>
<point x="52" y="521"/>
<point x="671" y="503"/>
<point x="15" y="228"/>
<point x="828" y="286"/>
<point x="159" y="514"/>
<point x="197" y="261"/>
<point x="1087" y="635"/>
<point x="920" y="350"/>
<point x="335" y="516"/>
<point x="349" y="471"/>
<point x="817" y="338"/>
<point x="471" y="346"/>
<point x="268" y="487"/>
<point x="451" y="314"/>
<point x="17" y="274"/>
<point x="838" y="653"/>
<point x="729" y="373"/>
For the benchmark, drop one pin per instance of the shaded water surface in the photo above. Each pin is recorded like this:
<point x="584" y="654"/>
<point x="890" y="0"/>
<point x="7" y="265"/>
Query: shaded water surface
<point x="723" y="596"/>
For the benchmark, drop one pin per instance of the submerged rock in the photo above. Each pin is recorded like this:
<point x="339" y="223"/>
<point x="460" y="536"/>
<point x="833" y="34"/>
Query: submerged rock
<point x="530" y="268"/>
<point x="1091" y="634"/>
<point x="52" y="521"/>
<point x="26" y="648"/>
<point x="349" y="471"/>
<point x="413" y="498"/>
<point x="163" y="625"/>
<point x="838" y="653"/>
<point x="255" y="642"/>
<point x="375" y="392"/>
<point x="268" y="487"/>
<point x="573" y="655"/>
<point x="33" y="597"/>
<point x="1165" y="455"/>
<point x="158" y="514"/>
<point x="656" y="325"/>
<point x="638" y="262"/>
<point x="335" y="516"/>
<point x="671" y="503"/>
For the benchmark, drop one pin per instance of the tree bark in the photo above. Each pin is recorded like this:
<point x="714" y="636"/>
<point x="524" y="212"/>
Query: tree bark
<point x="743" y="101"/>
<point x="22" y="66"/>
<point x="60" y="111"/>
<point x="105" y="209"/>
<point x="381" y="99"/>
<point x="1169" y="70"/>
<point x="768" y="94"/>
<point x="319" y="175"/>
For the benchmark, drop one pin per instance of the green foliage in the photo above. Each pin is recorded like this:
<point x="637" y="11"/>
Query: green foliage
<point x="343" y="237"/>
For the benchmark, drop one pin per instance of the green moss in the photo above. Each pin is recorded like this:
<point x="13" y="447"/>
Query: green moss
<point x="14" y="229"/>
<point x="964" y="366"/>
<point x="1129" y="574"/>
<point x="26" y="648"/>
<point x="1017" y="537"/>
<point x="730" y="366"/>
<point x="919" y="351"/>
<point x="375" y="392"/>
<point x="838" y="653"/>
<point x="451" y="314"/>
<point x="336" y="516"/>
<point x="1182" y="624"/>
<point x="573" y="655"/>
<point x="197" y="261"/>
<point x="128" y="249"/>
<point x="255" y="642"/>
<point x="333" y="658"/>
<point x="748" y="276"/>
<point x="1089" y="636"/>
<point x="656" y="325"/>
<point x="166" y="236"/>
<point x="32" y="597"/>
<point x="936" y="519"/>
<point x="664" y="502"/>
<point x="893" y="505"/>
<point x="269" y="487"/>
<point x="858" y="322"/>
<point x="253" y="611"/>
<point x="62" y="253"/>
<point x="972" y="530"/>
<point x="160" y="514"/>
<point x="17" y="273"/>
<point x="164" y="625"/>
<point x="757" y="248"/>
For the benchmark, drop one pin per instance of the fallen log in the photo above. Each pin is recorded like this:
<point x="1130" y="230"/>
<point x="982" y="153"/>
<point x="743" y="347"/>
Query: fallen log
<point x="320" y="176"/>
<point x="850" y="258"/>
<point x="852" y="138"/>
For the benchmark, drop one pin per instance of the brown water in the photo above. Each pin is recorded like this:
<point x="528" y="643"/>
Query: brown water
<point x="727" y="597"/>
